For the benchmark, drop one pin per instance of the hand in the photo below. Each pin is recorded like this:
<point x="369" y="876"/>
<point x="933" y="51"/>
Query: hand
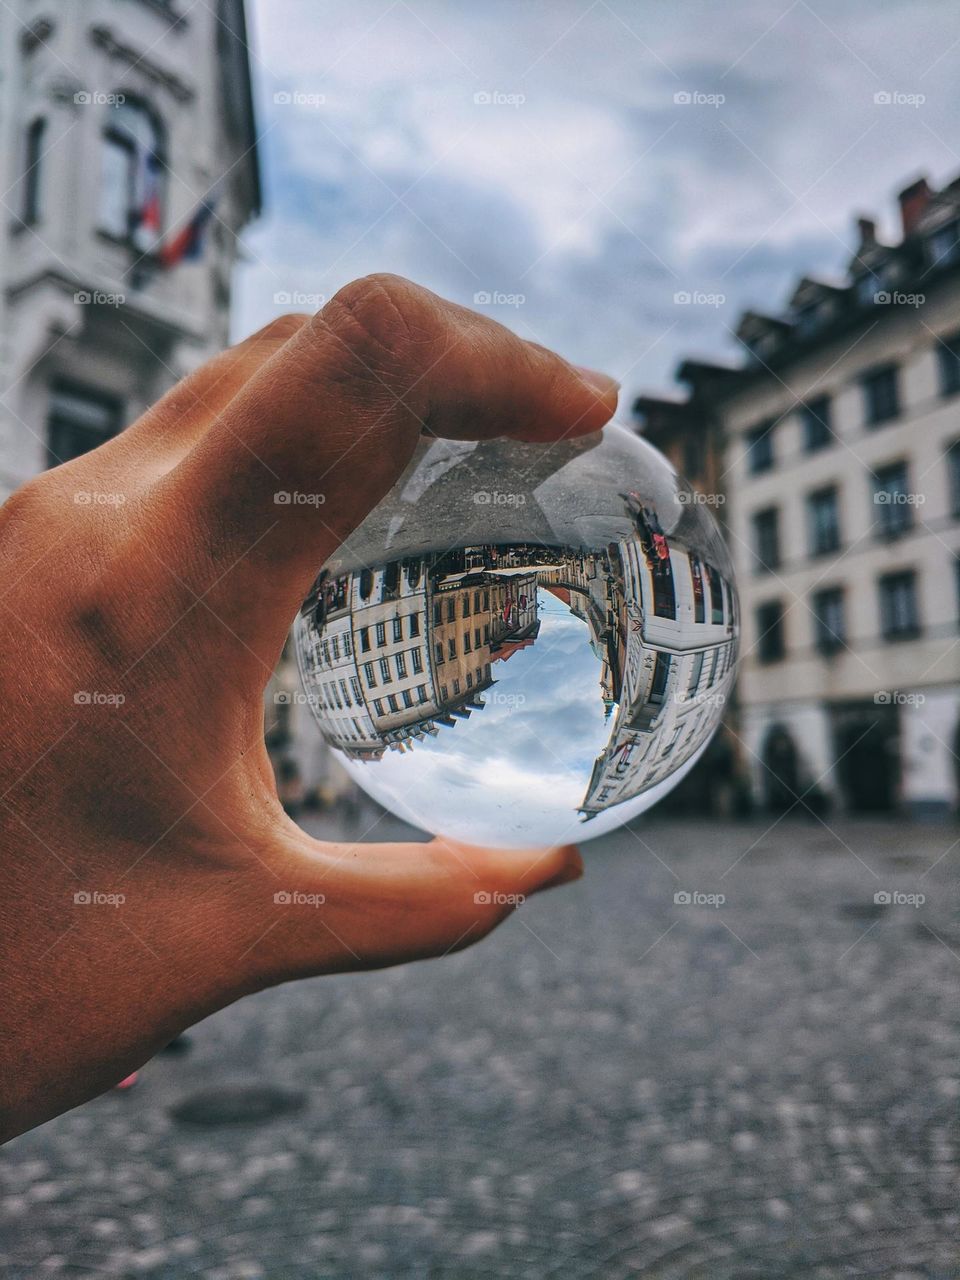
<point x="147" y="589"/>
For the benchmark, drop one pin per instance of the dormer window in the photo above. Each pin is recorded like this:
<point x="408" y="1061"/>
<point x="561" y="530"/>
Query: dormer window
<point x="943" y="246"/>
<point x="133" y="175"/>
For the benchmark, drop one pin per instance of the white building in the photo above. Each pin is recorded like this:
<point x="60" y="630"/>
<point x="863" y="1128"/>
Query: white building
<point x="842" y="435"/>
<point x="118" y="118"/>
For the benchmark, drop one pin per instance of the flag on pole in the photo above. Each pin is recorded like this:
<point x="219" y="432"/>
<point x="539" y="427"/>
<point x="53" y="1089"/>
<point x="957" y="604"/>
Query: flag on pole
<point x="186" y="245"/>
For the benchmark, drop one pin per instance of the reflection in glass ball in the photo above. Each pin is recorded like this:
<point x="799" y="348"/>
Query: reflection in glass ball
<point x="524" y="644"/>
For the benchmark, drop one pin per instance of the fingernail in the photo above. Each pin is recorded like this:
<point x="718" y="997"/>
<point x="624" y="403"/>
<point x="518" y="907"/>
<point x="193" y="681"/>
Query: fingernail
<point x="602" y="383"/>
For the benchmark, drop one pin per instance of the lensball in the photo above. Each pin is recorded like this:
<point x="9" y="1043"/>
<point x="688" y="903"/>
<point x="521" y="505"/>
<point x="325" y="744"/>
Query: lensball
<point x="524" y="644"/>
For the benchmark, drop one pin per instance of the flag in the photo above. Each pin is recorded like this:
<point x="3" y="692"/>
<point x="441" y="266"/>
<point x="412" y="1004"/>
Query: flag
<point x="146" y="216"/>
<point x="186" y="245"/>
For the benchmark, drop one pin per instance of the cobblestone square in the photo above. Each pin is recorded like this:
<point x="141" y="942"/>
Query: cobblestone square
<point x="620" y="1083"/>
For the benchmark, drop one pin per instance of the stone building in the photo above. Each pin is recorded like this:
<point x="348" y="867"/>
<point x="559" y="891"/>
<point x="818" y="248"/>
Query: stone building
<point x="840" y="440"/>
<point x="119" y="121"/>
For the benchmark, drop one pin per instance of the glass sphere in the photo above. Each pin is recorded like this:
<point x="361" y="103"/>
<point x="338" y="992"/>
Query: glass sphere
<point x="524" y="644"/>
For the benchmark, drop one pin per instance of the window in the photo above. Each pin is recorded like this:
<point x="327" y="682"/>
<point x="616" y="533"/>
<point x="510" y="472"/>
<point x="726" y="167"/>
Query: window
<point x="466" y="604"/>
<point x="953" y="477"/>
<point x="355" y="686"/>
<point x="759" y="442"/>
<point x="696" y="581"/>
<point x="829" y="630"/>
<point x="371" y="679"/>
<point x="346" y="695"/>
<point x="696" y="670"/>
<point x="79" y="420"/>
<point x="661" y="674"/>
<point x="823" y="522"/>
<point x="769" y="621"/>
<point x="347" y="645"/>
<point x="881" y="394"/>
<point x="392" y="702"/>
<point x="466" y="642"/>
<point x="716" y="595"/>
<point x="898" y="605"/>
<point x="451" y="609"/>
<point x="365" y="639"/>
<point x="33" y="171"/>
<point x="436" y="613"/>
<point x="948" y="364"/>
<point x="397" y="629"/>
<point x="766" y="538"/>
<point x="381" y="634"/>
<point x="400" y="662"/>
<point x="421" y="693"/>
<point x="476" y="602"/>
<point x="384" y="670"/>
<point x="891" y="497"/>
<point x="815" y="422"/>
<point x="132" y="176"/>
<point x="452" y="647"/>
<point x="456" y="688"/>
<point x="476" y="637"/>
<point x="417" y="661"/>
<point x="944" y="244"/>
<point x="414" y="625"/>
<point x="407" y="698"/>
<point x="438" y="650"/>
<point x="469" y="679"/>
<point x="378" y="706"/>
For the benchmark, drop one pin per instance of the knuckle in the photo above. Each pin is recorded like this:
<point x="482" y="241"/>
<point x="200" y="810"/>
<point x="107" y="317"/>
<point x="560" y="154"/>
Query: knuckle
<point x="281" y="328"/>
<point x="381" y="318"/>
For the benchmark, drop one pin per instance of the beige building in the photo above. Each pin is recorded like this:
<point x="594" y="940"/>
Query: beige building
<point x="841" y="434"/>
<point x="117" y="119"/>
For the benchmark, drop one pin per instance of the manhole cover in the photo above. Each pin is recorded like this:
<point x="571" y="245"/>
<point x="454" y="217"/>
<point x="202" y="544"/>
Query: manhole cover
<point x="234" y="1104"/>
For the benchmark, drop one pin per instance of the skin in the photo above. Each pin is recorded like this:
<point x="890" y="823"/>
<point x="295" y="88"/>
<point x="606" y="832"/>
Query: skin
<point x="158" y="575"/>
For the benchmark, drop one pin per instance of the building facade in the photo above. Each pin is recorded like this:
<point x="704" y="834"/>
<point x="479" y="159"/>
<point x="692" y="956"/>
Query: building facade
<point x="841" y="477"/>
<point x="119" y="120"/>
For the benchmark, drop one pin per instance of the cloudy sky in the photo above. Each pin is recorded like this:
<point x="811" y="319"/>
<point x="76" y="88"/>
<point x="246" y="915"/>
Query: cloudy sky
<point x="538" y="153"/>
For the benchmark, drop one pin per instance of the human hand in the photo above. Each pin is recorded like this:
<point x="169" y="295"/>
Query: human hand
<point x="158" y="577"/>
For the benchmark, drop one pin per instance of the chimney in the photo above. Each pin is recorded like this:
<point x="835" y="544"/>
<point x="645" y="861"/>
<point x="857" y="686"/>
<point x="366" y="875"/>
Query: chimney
<point x="867" y="230"/>
<point x="913" y="201"/>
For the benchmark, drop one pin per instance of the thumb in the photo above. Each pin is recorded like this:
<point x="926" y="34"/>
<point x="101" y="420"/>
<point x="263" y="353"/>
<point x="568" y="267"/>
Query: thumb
<point x="335" y="908"/>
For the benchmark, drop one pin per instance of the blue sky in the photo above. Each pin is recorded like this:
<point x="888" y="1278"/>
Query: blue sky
<point x="536" y="153"/>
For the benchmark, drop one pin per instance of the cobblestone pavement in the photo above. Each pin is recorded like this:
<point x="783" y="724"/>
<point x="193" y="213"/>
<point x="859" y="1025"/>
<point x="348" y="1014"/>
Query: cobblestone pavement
<point x="615" y="1085"/>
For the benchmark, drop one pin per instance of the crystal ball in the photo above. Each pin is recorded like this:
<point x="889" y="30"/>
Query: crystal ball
<point x="524" y="644"/>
